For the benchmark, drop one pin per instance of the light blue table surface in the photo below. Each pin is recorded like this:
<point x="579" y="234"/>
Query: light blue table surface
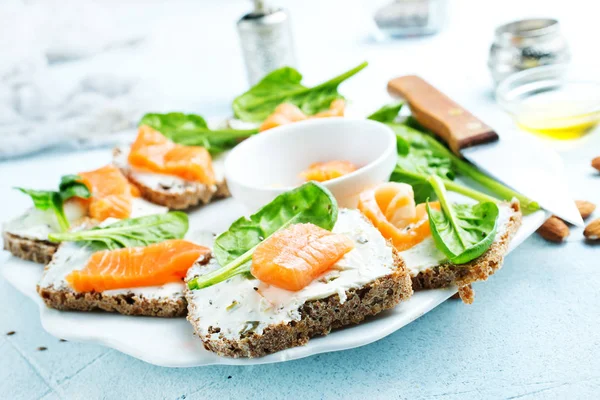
<point x="533" y="331"/>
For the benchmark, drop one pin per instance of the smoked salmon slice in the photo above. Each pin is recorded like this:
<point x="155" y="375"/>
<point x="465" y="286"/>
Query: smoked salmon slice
<point x="153" y="265"/>
<point x="287" y="113"/>
<point x="391" y="208"/>
<point x="324" y="171"/>
<point x="153" y="152"/>
<point x="292" y="258"/>
<point x="112" y="194"/>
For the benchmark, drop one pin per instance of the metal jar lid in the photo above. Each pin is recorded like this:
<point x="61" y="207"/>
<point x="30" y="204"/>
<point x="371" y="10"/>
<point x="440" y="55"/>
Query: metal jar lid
<point x="524" y="44"/>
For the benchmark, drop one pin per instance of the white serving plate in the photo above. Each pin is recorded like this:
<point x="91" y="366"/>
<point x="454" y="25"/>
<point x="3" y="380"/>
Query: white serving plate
<point x="171" y="343"/>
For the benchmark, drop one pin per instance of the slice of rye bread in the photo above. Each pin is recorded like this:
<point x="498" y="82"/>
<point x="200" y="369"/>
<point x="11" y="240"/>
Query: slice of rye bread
<point x="479" y="269"/>
<point x="128" y="303"/>
<point x="180" y="197"/>
<point x="39" y="251"/>
<point x="317" y="317"/>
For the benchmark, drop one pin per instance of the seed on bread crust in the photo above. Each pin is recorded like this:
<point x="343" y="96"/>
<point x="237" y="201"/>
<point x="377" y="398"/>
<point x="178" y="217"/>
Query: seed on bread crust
<point x="554" y="230"/>
<point x="585" y="208"/>
<point x="592" y="231"/>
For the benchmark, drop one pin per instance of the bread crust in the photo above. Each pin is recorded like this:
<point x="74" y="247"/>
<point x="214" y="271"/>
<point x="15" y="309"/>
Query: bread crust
<point x="318" y="317"/>
<point x="125" y="303"/>
<point x="477" y="270"/>
<point x="192" y="194"/>
<point x="39" y="251"/>
<point x="66" y="299"/>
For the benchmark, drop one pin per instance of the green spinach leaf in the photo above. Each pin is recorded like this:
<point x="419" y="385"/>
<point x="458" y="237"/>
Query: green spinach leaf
<point x="233" y="249"/>
<point x="462" y="232"/>
<point x="70" y="186"/>
<point x="192" y="130"/>
<point x="284" y="86"/>
<point x="387" y="113"/>
<point x="132" y="232"/>
<point x="427" y="156"/>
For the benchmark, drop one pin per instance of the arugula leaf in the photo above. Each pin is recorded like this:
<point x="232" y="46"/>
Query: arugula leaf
<point x="284" y="86"/>
<point x="233" y="248"/>
<point x="192" y="130"/>
<point x="70" y="186"/>
<point x="387" y="113"/>
<point x="427" y="156"/>
<point x="462" y="232"/>
<point x="132" y="232"/>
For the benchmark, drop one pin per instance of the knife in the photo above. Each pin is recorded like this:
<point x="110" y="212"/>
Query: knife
<point x="513" y="158"/>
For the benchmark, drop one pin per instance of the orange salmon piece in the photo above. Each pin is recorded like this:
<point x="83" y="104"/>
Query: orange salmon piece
<point x="324" y="171"/>
<point x="292" y="258"/>
<point x="391" y="208"/>
<point x="152" y="265"/>
<point x="287" y="113"/>
<point x="153" y="152"/>
<point x="284" y="113"/>
<point x="336" y="109"/>
<point x="112" y="194"/>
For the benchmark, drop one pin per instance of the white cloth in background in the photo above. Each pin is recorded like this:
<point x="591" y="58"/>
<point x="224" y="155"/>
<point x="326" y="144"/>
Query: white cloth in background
<point x="35" y="112"/>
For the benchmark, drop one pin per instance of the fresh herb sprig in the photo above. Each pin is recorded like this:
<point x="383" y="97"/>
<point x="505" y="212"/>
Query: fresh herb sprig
<point x="70" y="186"/>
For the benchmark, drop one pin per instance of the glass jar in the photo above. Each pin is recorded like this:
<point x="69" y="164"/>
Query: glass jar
<point x="526" y="44"/>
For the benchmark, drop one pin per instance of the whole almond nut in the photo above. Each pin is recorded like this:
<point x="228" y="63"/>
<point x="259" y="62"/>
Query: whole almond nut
<point x="554" y="230"/>
<point x="585" y="208"/>
<point x="592" y="231"/>
<point x="596" y="163"/>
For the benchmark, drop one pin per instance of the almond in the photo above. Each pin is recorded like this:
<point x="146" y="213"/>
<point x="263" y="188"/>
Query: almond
<point x="554" y="230"/>
<point x="596" y="163"/>
<point x="585" y="208"/>
<point x="592" y="231"/>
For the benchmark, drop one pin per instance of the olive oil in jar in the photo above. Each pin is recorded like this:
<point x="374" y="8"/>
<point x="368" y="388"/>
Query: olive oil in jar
<point x="561" y="128"/>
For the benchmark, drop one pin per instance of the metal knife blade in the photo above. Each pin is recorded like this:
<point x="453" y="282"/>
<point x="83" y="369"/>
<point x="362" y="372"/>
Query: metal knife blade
<point x="530" y="167"/>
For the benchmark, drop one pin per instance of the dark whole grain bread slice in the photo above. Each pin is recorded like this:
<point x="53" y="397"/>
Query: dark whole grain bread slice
<point x="39" y="251"/>
<point x="318" y="317"/>
<point x="176" y="198"/>
<point x="124" y="303"/>
<point x="479" y="269"/>
<point x="62" y="297"/>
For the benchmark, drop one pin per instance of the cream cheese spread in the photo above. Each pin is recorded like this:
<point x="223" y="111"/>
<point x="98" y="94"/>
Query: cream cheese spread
<point x="239" y="304"/>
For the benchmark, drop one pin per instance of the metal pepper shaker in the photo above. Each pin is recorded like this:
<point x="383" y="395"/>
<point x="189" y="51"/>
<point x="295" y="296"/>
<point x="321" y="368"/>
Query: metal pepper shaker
<point x="526" y="44"/>
<point x="266" y="40"/>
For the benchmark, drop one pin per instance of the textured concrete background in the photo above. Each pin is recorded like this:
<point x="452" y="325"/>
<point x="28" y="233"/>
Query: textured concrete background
<point x="534" y="329"/>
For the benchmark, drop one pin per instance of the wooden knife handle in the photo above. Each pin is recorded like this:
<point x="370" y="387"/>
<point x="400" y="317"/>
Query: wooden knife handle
<point x="438" y="113"/>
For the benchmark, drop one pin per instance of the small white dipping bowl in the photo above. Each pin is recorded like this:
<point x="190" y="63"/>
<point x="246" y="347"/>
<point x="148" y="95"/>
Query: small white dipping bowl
<point x="270" y="163"/>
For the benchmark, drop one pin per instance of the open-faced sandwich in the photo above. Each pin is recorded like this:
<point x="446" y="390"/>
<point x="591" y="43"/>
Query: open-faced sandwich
<point x="295" y="269"/>
<point x="132" y="266"/>
<point x="442" y="243"/>
<point x="170" y="174"/>
<point x="91" y="196"/>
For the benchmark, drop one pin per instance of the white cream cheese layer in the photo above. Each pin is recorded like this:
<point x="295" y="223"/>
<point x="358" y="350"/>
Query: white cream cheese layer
<point x="239" y="304"/>
<point x="425" y="255"/>
<point x="37" y="224"/>
<point x="162" y="181"/>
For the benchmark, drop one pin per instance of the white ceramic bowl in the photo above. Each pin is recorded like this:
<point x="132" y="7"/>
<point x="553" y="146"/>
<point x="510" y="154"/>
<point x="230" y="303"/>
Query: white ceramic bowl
<point x="268" y="164"/>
